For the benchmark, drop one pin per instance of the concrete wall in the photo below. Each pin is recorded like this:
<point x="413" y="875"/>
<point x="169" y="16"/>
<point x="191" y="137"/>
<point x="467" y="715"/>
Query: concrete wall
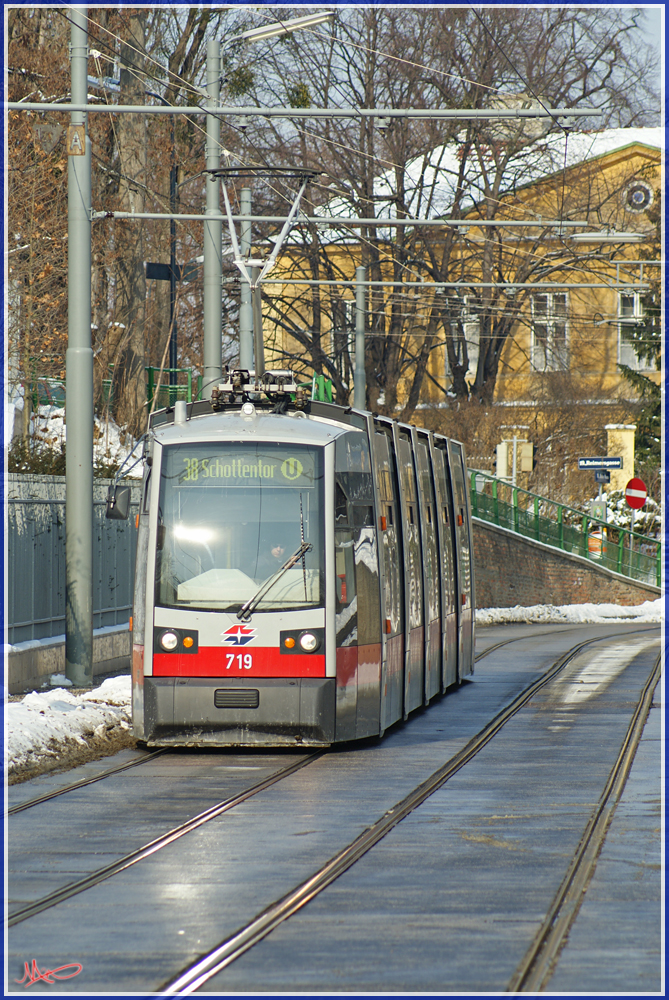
<point x="511" y="570"/>
<point x="30" y="664"/>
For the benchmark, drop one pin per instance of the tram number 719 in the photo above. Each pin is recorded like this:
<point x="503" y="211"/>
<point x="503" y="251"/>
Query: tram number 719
<point x="244" y="661"/>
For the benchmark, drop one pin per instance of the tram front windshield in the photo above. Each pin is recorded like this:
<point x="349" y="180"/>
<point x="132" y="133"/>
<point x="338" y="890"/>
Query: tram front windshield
<point x="230" y="517"/>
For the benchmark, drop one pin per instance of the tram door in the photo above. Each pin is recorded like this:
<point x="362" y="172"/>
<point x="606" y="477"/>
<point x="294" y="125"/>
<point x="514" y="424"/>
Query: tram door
<point x="430" y="561"/>
<point x="414" y="634"/>
<point x="357" y="601"/>
<point x="445" y="520"/>
<point x="392" y="608"/>
<point x="463" y="543"/>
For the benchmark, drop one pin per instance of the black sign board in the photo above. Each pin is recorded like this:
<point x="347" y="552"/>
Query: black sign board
<point x="602" y="476"/>
<point x="161" y="272"/>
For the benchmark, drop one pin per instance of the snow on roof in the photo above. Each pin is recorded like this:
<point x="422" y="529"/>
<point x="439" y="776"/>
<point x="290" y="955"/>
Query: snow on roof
<point x="431" y="178"/>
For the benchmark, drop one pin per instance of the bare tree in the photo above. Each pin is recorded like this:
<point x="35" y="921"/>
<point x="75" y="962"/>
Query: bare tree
<point x="449" y="57"/>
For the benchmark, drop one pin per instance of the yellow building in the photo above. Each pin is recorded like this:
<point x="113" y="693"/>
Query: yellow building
<point x="548" y="307"/>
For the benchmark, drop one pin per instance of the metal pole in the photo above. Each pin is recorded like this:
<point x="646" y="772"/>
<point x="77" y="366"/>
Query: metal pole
<point x="359" y="384"/>
<point x="173" y="264"/>
<point x="245" y="306"/>
<point x="241" y="111"/>
<point x="258" y="340"/>
<point x="632" y="513"/>
<point x="79" y="378"/>
<point x="213" y="229"/>
<point x="514" y="464"/>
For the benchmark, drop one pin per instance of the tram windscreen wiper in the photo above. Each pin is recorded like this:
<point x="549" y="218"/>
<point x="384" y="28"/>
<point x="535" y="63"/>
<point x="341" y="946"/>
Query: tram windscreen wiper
<point x="247" y="609"/>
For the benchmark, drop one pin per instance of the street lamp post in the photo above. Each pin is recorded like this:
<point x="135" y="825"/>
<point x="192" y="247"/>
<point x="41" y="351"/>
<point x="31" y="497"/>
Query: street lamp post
<point x="250" y="310"/>
<point x="79" y="376"/>
<point x="213" y="231"/>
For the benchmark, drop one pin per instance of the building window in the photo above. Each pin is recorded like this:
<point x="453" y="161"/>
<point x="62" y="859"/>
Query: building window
<point x="549" y="332"/>
<point x="630" y="325"/>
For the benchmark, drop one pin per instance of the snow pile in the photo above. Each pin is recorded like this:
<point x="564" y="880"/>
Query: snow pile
<point x="110" y="444"/>
<point x="592" y="614"/>
<point x="43" y="724"/>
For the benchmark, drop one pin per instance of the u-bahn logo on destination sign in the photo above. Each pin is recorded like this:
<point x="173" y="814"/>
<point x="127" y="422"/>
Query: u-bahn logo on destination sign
<point x="292" y="468"/>
<point x="238" y="635"/>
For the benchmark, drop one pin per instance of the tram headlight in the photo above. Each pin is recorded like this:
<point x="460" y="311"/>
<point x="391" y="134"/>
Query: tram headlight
<point x="169" y="641"/>
<point x="309" y="642"/>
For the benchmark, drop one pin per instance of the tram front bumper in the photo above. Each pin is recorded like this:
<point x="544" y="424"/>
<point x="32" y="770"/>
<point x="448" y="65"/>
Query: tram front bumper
<point x="222" y="712"/>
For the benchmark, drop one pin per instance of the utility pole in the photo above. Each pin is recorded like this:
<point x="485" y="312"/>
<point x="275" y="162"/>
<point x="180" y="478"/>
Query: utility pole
<point x="79" y="375"/>
<point x="245" y="305"/>
<point x="173" y="263"/>
<point x="359" y="384"/>
<point x="258" y="340"/>
<point x="213" y="228"/>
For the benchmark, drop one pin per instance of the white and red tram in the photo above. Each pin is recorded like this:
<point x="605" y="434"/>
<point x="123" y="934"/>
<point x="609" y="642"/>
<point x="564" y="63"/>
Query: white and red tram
<point x="304" y="571"/>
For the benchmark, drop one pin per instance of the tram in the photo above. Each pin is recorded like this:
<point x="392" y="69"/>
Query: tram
<point x="304" y="570"/>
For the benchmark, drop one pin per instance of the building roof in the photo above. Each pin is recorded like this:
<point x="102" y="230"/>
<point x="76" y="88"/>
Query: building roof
<point x="432" y="178"/>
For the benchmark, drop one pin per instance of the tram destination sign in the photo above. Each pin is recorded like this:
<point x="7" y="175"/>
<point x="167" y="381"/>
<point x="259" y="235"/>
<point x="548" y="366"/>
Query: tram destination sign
<point x="206" y="465"/>
<point x="600" y="463"/>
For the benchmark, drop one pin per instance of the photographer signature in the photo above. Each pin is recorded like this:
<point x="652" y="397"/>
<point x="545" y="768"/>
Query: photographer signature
<point x="33" y="975"/>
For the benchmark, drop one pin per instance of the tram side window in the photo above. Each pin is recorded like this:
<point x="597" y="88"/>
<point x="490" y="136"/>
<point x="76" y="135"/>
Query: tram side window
<point x="341" y="507"/>
<point x="344" y="567"/>
<point x="353" y="468"/>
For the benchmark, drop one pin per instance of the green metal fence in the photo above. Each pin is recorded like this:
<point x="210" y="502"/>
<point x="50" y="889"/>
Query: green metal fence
<point x="321" y="388"/>
<point x="188" y="386"/>
<point x="567" y="528"/>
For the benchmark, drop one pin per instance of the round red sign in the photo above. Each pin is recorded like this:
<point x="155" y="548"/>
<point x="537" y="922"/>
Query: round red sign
<point x="636" y="493"/>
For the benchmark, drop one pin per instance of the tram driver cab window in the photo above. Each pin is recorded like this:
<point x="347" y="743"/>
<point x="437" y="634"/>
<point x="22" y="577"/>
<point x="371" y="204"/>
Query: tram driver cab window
<point x="231" y="517"/>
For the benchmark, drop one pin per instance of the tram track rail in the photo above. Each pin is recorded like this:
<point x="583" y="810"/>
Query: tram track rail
<point x="102" y="874"/>
<point x="233" y="947"/>
<point x="83" y="782"/>
<point x="538" y="964"/>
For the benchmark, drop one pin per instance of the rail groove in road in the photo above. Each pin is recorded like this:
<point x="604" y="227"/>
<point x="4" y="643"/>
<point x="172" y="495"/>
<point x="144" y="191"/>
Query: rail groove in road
<point x="198" y="973"/>
<point x="155" y="845"/>
<point x="83" y="782"/>
<point x="537" y="966"/>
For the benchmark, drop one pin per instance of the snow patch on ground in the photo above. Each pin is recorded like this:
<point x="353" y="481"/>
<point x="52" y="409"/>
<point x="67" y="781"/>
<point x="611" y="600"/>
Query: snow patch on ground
<point x="49" y="430"/>
<point x="45" y="722"/>
<point x="592" y="614"/>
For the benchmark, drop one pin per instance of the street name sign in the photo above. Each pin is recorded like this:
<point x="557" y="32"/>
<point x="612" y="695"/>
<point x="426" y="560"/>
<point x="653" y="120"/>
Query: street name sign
<point x="600" y="463"/>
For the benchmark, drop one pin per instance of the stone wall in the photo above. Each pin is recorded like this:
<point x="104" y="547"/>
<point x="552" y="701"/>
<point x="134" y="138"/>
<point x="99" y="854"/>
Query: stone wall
<point x="511" y="570"/>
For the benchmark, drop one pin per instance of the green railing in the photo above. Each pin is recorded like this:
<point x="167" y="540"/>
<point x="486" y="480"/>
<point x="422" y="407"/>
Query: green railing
<point x="167" y="394"/>
<point x="566" y="528"/>
<point x="321" y="388"/>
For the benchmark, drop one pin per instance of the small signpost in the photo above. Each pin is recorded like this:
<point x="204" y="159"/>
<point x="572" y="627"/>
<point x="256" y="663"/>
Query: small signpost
<point x="600" y="465"/>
